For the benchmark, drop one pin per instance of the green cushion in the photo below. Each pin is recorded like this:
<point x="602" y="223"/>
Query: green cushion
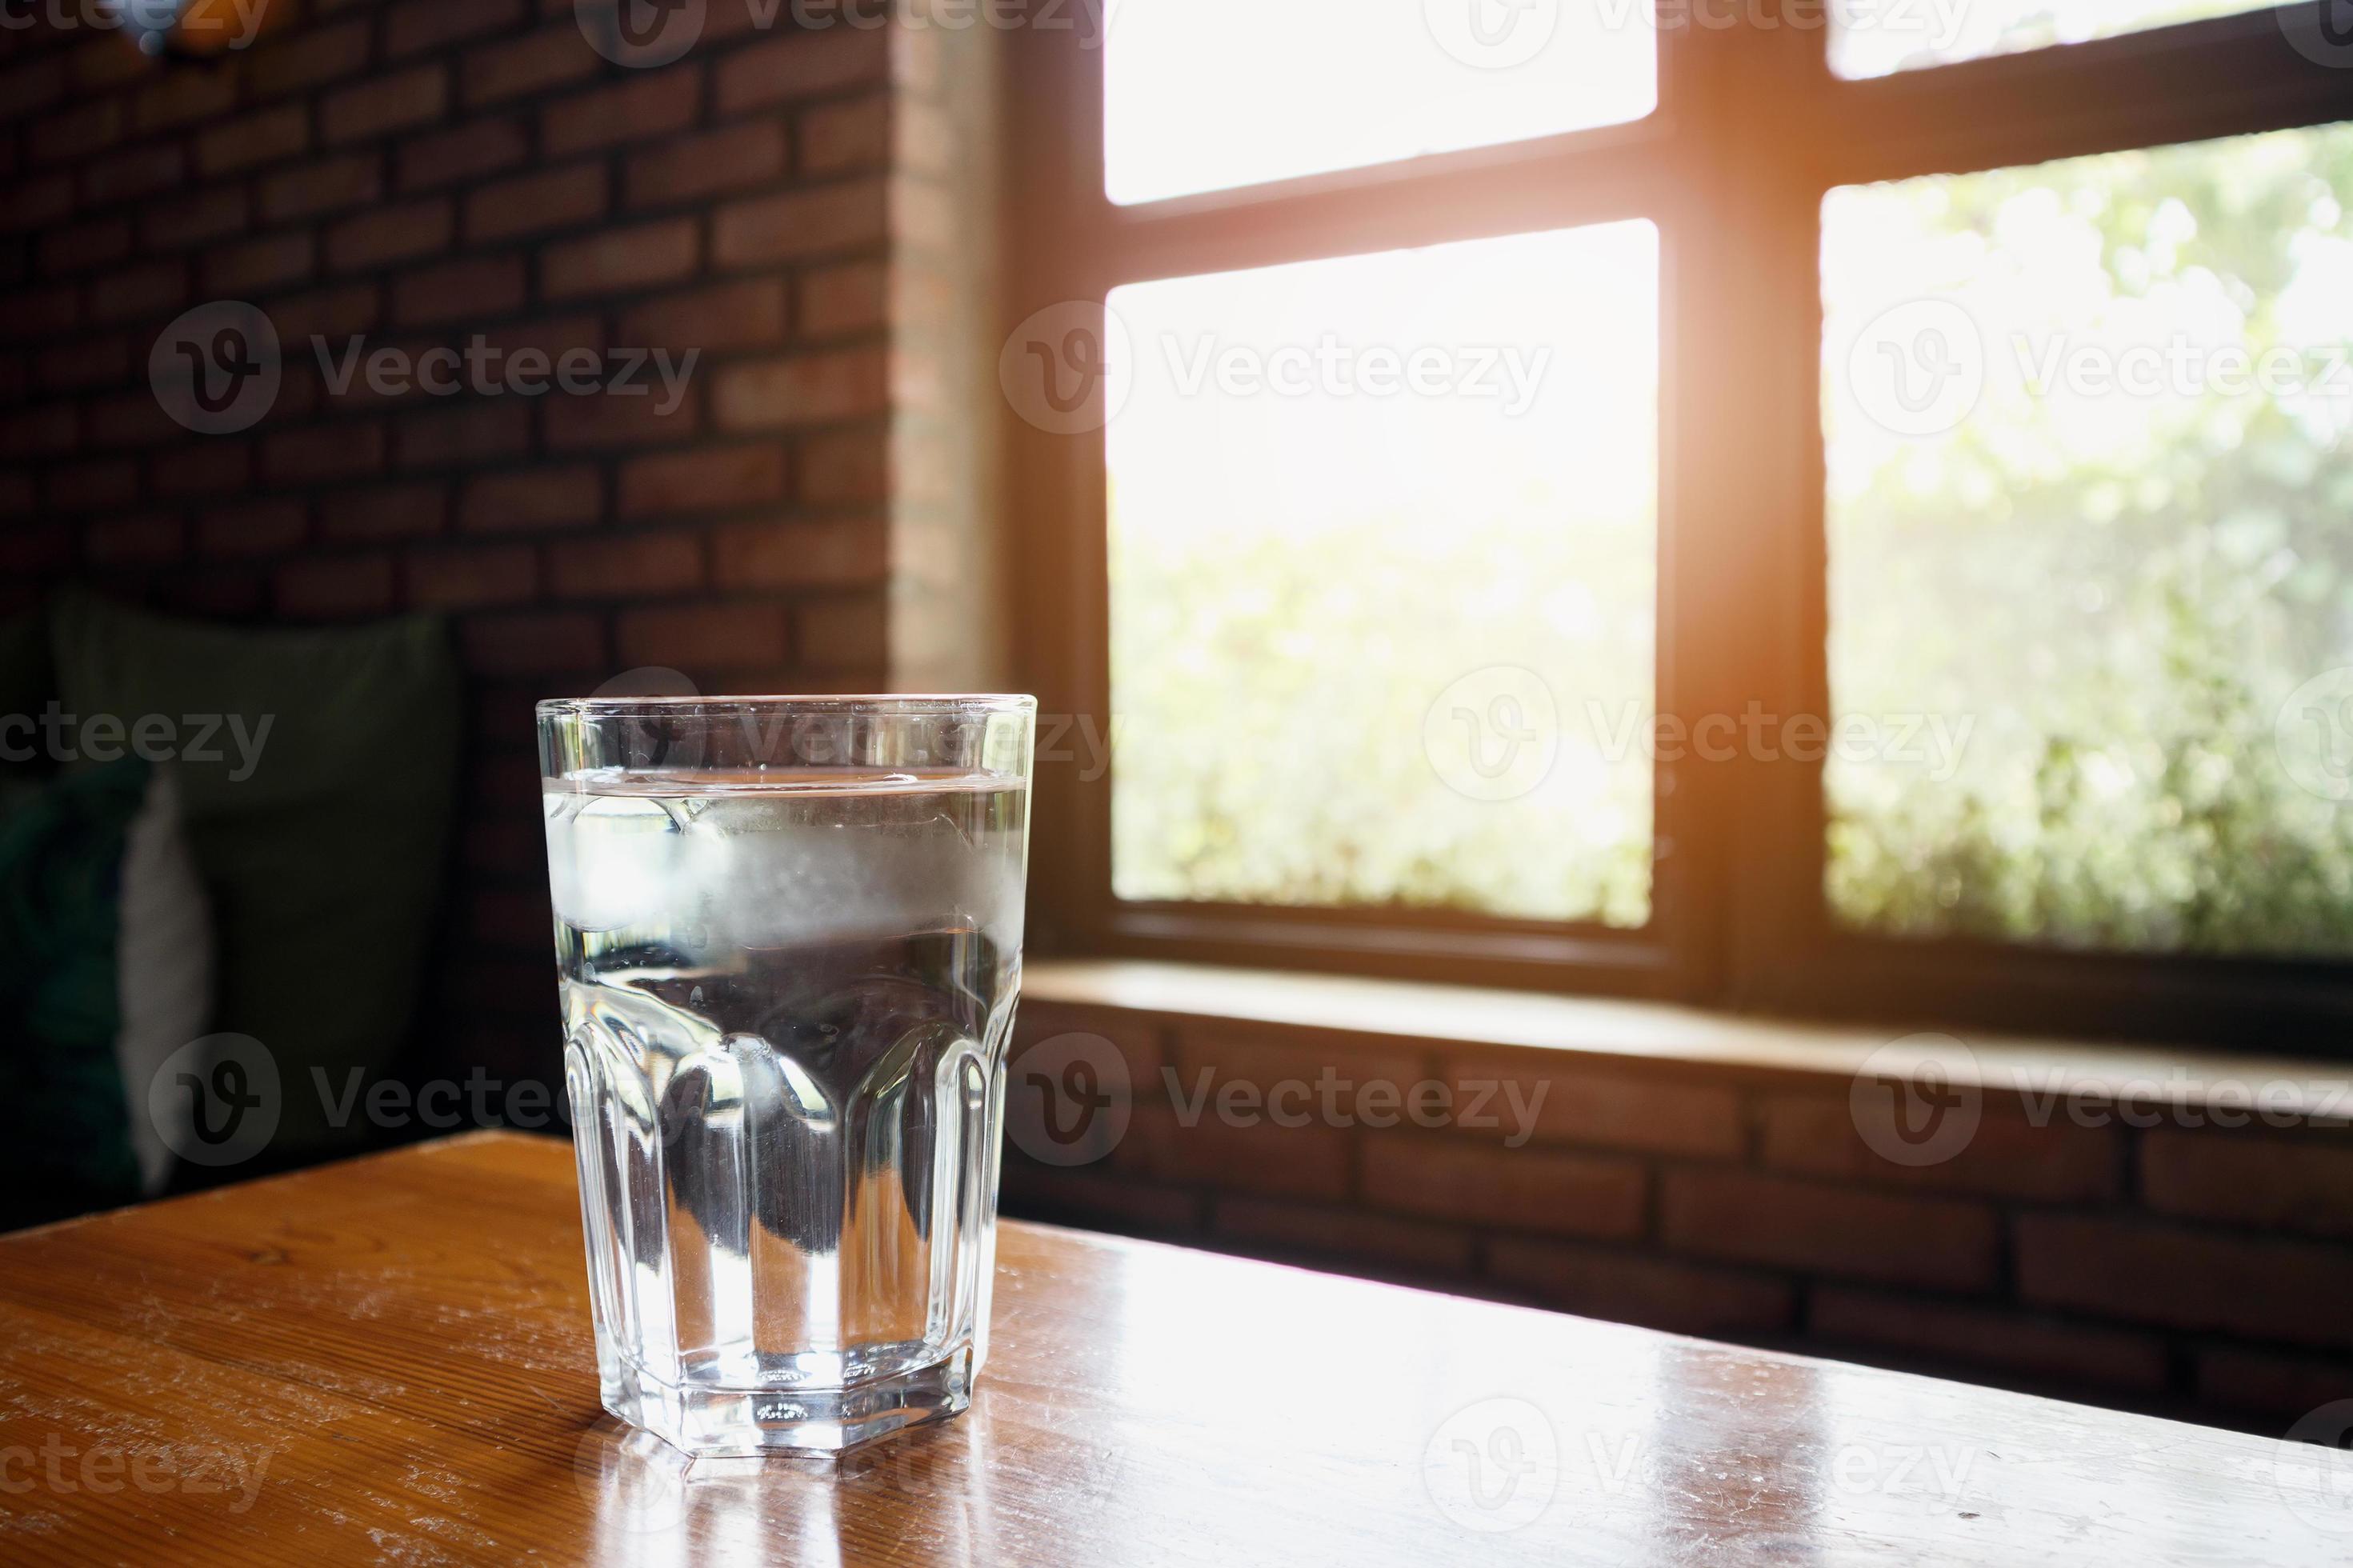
<point x="320" y="837"/>
<point x="65" y="1135"/>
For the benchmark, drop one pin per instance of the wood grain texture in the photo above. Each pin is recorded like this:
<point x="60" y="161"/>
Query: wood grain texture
<point x="389" y="1362"/>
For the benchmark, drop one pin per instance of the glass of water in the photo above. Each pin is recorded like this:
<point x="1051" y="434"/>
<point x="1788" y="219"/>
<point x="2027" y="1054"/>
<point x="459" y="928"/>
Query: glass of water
<point x="789" y="932"/>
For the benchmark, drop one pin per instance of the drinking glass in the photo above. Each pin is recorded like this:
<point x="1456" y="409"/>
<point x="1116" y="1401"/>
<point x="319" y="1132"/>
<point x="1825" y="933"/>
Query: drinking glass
<point x="790" y="935"/>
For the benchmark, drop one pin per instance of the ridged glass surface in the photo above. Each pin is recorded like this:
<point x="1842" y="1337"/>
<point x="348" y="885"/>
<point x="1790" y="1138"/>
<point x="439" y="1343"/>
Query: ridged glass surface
<point x="787" y="1001"/>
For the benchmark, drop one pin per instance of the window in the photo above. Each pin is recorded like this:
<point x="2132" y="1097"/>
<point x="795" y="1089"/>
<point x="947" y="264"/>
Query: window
<point x="1907" y="575"/>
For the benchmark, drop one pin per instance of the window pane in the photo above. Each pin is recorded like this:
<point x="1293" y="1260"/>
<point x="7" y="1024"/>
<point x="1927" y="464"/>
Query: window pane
<point x="2089" y="493"/>
<point x="1875" y="37"/>
<point x="1382" y="580"/>
<point x="1200" y="95"/>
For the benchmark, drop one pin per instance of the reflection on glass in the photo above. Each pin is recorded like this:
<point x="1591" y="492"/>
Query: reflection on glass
<point x="1875" y="37"/>
<point x="1201" y="95"/>
<point x="1382" y="580"/>
<point x="2089" y="479"/>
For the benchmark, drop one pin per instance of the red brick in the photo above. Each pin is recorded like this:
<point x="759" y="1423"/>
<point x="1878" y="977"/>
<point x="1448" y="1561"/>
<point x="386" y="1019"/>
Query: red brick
<point x="1578" y="1105"/>
<point x="1266" y="1160"/>
<point x="324" y="452"/>
<point x="29" y="88"/>
<point x="467" y="289"/>
<point x="799" y="224"/>
<point x="93" y="487"/>
<point x="1348" y="1235"/>
<point x="705" y="636"/>
<point x="472" y="431"/>
<point x="840" y="302"/>
<point x="845" y="468"/>
<point x="1266" y="1058"/>
<point x="713" y="479"/>
<point x="531" y="203"/>
<point x="2247" y="1179"/>
<point x="85" y="362"/>
<point x="1751" y="1218"/>
<point x="1130" y="1208"/>
<point x="2019" y="1342"/>
<point x="147" y="539"/>
<point x="467" y="151"/>
<point x="337" y="313"/>
<point x="134" y="419"/>
<point x="74" y="132"/>
<point x="390" y="234"/>
<point x="847" y="634"/>
<point x="2286" y="1386"/>
<point x="541" y="59"/>
<point x="2152" y="1272"/>
<point x="385" y="512"/>
<point x="1623" y="1286"/>
<point x="475" y="575"/>
<point x="212" y="466"/>
<point x="78" y="248"/>
<point x="383" y="104"/>
<point x="37" y="314"/>
<point x="138" y="172"/>
<point x="2008" y="1156"/>
<point x="553" y="336"/>
<point x="800" y="389"/>
<point x="323" y="185"/>
<point x="293" y="61"/>
<point x="740" y="315"/>
<point x="33" y="203"/>
<point x="337" y="588"/>
<point x="259" y="264"/>
<point x="419" y="25"/>
<point x="103" y="62"/>
<point x="696" y="167"/>
<point x="258" y="528"/>
<point x="192" y="220"/>
<point x="1137" y="1039"/>
<point x="620" y="259"/>
<point x="802" y="66"/>
<point x="1481" y="1186"/>
<point x="534" y="642"/>
<point x="838" y="138"/>
<point x="261" y="138"/>
<point x="214" y="592"/>
<point x="53" y="428"/>
<point x="541" y="497"/>
<point x="179" y="97"/>
<point x="156" y="289"/>
<point x="652" y="103"/>
<point x="637" y="566"/>
<point x="600" y="420"/>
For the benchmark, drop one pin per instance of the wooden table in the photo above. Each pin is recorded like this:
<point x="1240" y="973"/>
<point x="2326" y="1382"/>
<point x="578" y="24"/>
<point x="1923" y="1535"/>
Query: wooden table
<point x="388" y="1361"/>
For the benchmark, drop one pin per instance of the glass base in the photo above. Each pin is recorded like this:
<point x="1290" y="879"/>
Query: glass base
<point x="711" y="1421"/>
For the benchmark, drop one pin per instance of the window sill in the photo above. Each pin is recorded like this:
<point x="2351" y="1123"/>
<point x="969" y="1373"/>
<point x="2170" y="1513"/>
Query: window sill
<point x="1684" y="1041"/>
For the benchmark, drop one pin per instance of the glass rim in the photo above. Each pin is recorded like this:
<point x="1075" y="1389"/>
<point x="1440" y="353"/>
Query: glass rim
<point x="910" y="705"/>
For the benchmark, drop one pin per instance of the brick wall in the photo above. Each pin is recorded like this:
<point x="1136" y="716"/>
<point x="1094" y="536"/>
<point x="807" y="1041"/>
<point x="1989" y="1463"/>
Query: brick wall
<point x="2190" y="1270"/>
<point x="808" y="207"/>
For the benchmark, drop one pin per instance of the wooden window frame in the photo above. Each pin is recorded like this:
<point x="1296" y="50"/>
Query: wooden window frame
<point x="1739" y="916"/>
